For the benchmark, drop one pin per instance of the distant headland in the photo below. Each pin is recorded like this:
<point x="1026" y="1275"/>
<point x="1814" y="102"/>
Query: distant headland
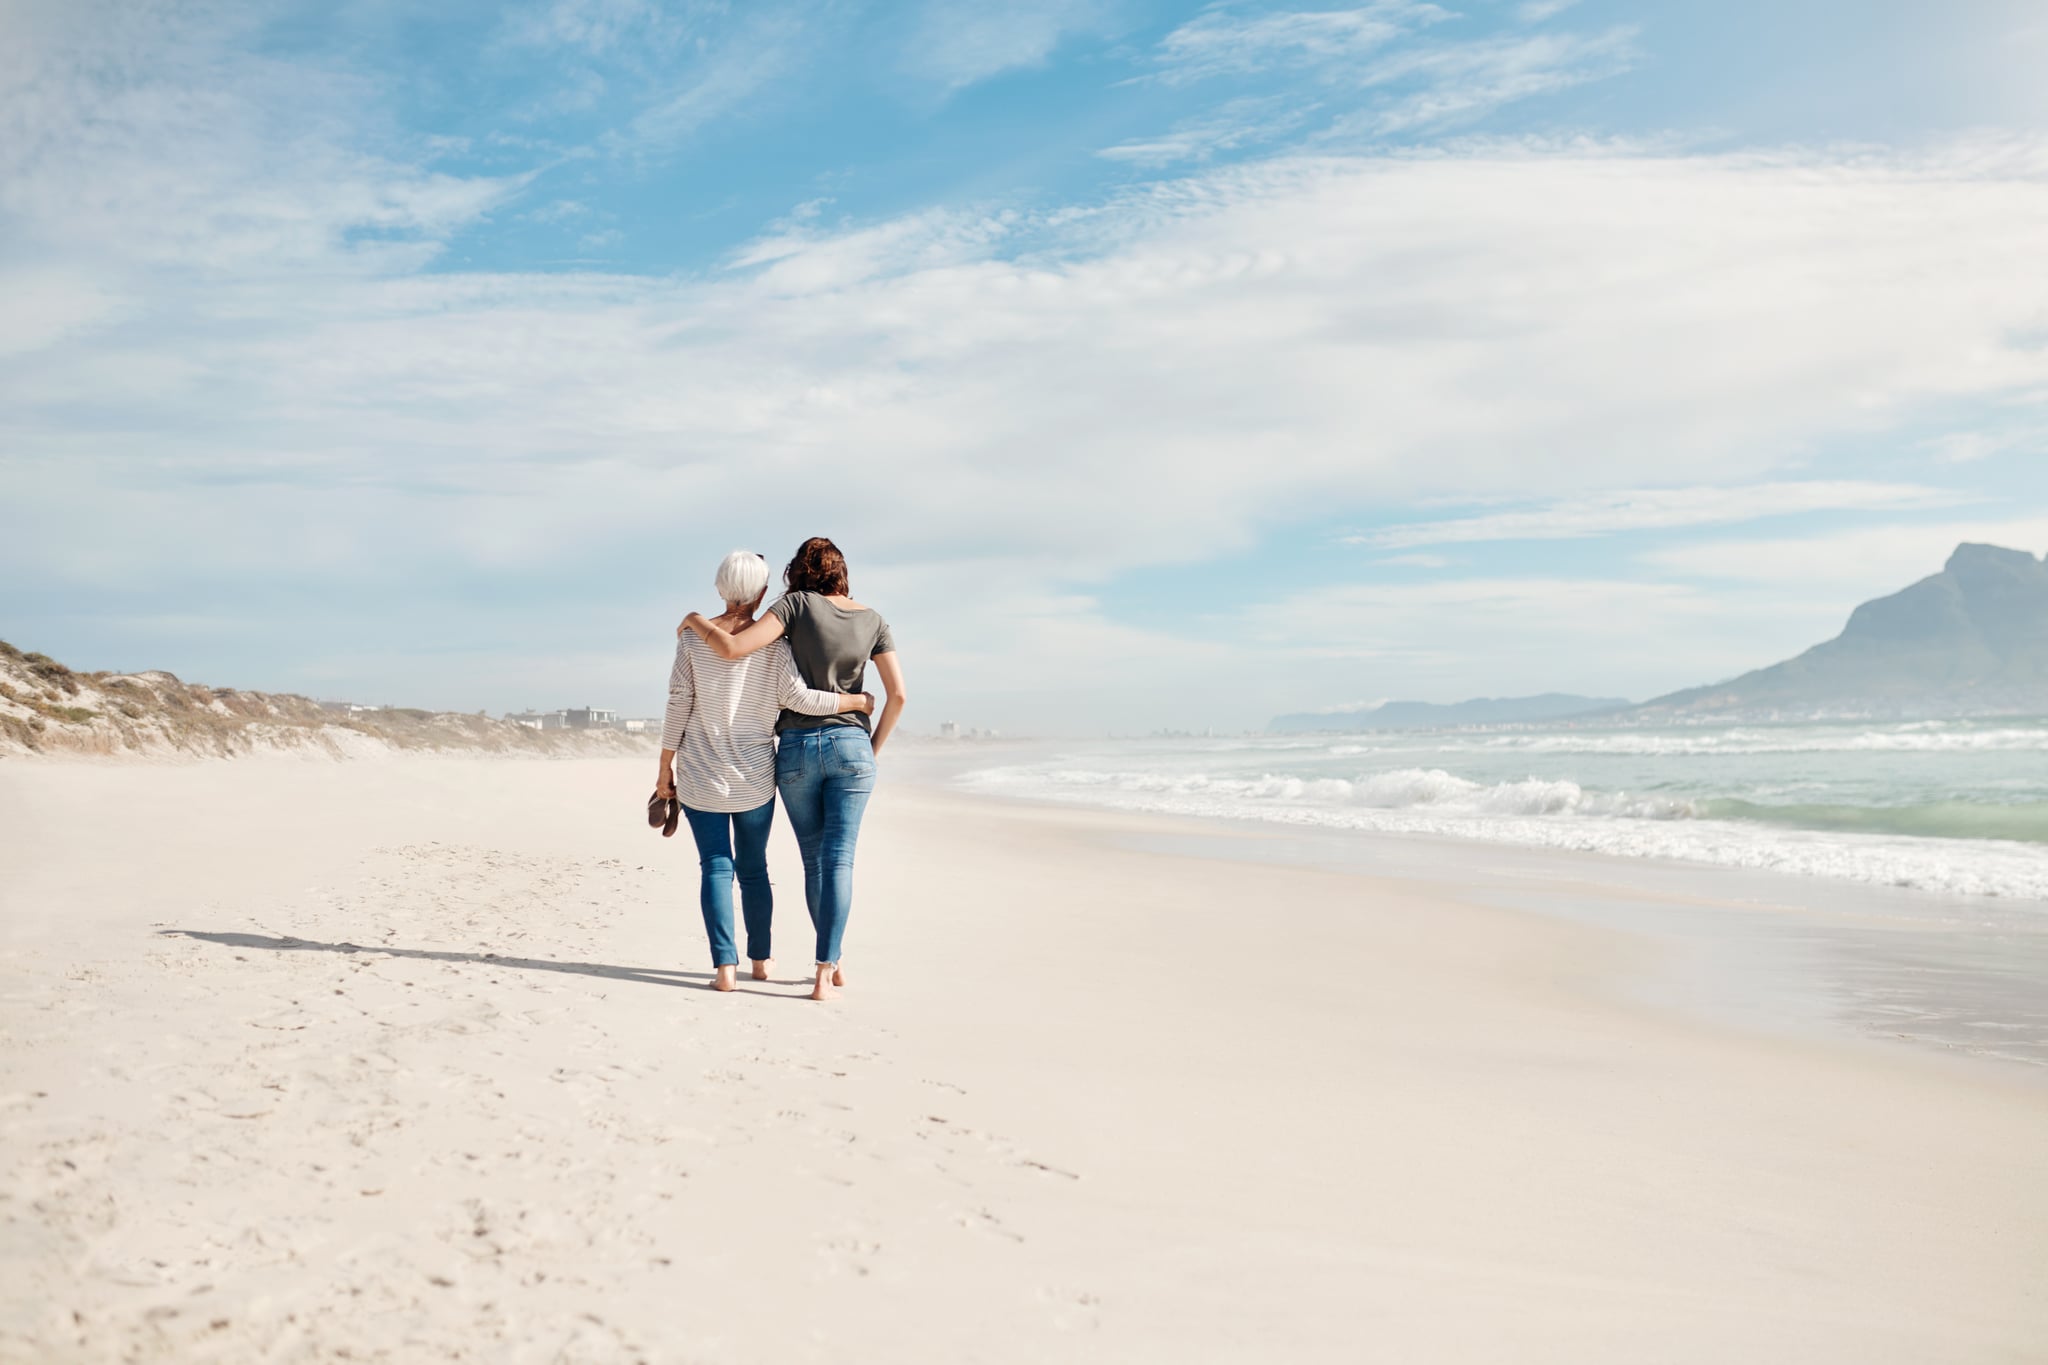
<point x="1971" y="640"/>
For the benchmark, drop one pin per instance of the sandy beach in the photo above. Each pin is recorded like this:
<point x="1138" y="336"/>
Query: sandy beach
<point x="411" y="1059"/>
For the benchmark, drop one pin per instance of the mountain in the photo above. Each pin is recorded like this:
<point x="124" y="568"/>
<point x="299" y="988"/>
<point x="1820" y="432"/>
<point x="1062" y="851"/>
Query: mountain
<point x="1970" y="640"/>
<point x="1424" y="715"/>
<point x="47" y="708"/>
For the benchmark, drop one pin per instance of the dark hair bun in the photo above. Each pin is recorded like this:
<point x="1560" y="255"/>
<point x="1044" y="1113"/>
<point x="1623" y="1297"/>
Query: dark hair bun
<point x="817" y="567"/>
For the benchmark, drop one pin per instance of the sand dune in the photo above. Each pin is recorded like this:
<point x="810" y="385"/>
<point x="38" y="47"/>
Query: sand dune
<point x="408" y="1060"/>
<point x="47" y="708"/>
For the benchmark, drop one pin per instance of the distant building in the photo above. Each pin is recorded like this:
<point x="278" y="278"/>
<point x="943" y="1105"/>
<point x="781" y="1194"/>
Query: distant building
<point x="640" y="725"/>
<point x="582" y="718"/>
<point x="949" y="729"/>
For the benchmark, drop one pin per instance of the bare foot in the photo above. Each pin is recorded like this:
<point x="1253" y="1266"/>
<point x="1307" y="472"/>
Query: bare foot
<point x="724" y="980"/>
<point x="760" y="972"/>
<point x="838" y="975"/>
<point x="822" y="990"/>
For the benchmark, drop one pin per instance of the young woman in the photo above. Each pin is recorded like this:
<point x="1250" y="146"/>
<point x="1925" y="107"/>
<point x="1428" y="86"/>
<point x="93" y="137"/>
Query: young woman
<point x="824" y="764"/>
<point x="718" y="755"/>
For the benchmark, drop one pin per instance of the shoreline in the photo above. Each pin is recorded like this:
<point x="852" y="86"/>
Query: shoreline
<point x="1766" y="952"/>
<point x="1871" y="809"/>
<point x="412" y="1058"/>
<point x="1757" y="949"/>
<point x="1765" y="949"/>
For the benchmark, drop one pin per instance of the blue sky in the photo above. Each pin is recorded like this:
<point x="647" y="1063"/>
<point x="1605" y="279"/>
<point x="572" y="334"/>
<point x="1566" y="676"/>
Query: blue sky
<point x="1156" y="364"/>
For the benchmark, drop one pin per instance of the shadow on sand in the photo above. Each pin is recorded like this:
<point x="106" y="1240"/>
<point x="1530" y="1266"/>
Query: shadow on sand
<point x="653" y="976"/>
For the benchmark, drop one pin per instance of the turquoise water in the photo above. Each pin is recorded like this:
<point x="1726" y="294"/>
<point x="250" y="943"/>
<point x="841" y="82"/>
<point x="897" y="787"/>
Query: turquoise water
<point x="1952" y="806"/>
<point x="2026" y="822"/>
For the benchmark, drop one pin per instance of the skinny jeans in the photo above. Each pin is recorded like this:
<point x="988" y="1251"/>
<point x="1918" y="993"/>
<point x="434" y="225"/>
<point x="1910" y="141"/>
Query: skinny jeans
<point x="733" y="846"/>
<point x="825" y="776"/>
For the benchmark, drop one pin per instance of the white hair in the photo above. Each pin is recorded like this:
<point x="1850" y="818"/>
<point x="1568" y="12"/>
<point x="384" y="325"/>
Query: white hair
<point x="742" y="577"/>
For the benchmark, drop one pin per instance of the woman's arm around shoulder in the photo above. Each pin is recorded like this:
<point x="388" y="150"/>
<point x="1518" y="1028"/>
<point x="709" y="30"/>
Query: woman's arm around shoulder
<point x="727" y="645"/>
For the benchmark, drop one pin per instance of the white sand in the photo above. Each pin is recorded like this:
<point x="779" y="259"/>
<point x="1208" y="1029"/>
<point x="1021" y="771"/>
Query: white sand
<point x="1078" y="1104"/>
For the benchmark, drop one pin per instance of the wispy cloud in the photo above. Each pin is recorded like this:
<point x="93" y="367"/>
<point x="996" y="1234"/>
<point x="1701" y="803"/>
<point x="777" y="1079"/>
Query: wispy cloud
<point x="1373" y="71"/>
<point x="598" y="28"/>
<point x="1436" y="84"/>
<point x="1661" y="509"/>
<point x="657" y="72"/>
<point x="1337" y="317"/>
<point x="2028" y="434"/>
<point x="956" y="45"/>
<point x="1855" y="564"/>
<point x="47" y="304"/>
<point x="237" y="322"/>
<point x="1350" y="320"/>
<point x="801" y="256"/>
<point x="1234" y="126"/>
<point x="559" y="211"/>
<point x="1528" y="633"/>
<point x="1228" y="41"/>
<point x="162" y="140"/>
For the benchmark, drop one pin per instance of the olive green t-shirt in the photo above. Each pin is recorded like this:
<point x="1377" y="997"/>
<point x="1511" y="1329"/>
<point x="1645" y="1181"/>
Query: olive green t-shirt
<point x="832" y="645"/>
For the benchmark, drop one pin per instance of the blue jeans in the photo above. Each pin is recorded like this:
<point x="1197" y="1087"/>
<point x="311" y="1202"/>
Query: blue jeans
<point x="716" y="834"/>
<point x="826" y="776"/>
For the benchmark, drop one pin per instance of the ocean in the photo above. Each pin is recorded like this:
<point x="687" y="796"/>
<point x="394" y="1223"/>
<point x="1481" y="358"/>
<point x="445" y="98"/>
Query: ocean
<point x="1957" y="807"/>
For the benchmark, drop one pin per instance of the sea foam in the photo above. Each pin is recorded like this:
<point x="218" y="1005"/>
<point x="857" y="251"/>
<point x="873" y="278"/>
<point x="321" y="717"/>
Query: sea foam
<point x="1541" y="813"/>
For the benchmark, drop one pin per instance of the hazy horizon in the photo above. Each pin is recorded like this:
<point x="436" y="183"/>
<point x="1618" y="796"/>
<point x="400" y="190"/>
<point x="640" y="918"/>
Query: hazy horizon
<point x="1156" y="365"/>
<point x="991" y="726"/>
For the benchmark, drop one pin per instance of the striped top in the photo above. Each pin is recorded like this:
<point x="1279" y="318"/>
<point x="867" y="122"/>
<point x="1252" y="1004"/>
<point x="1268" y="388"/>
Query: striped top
<point x="721" y="721"/>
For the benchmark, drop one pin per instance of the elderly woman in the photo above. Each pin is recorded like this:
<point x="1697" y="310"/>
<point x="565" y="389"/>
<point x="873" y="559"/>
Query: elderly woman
<point x="718" y="756"/>
<point x="825" y="764"/>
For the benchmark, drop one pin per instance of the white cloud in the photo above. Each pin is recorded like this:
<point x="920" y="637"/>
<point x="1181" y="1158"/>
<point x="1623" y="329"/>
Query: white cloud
<point x="158" y="142"/>
<point x="559" y="211"/>
<point x="1984" y="442"/>
<point x="956" y="45"/>
<point x="1389" y="57"/>
<point x="1662" y="508"/>
<point x="766" y="49"/>
<point x="1179" y="367"/>
<point x="44" y="306"/>
<point x="1225" y="41"/>
<point x="1458" y="82"/>
<point x="657" y="72"/>
<point x="1867" y="562"/>
<point x="240" y="374"/>
<point x="596" y="27"/>
<point x="803" y="259"/>
<point x="1234" y="125"/>
<point x="1961" y="447"/>
<point x="1536" y="11"/>
<point x="1496" y="636"/>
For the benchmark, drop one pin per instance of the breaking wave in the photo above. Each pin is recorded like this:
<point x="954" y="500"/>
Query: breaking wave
<point x="1959" y="847"/>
